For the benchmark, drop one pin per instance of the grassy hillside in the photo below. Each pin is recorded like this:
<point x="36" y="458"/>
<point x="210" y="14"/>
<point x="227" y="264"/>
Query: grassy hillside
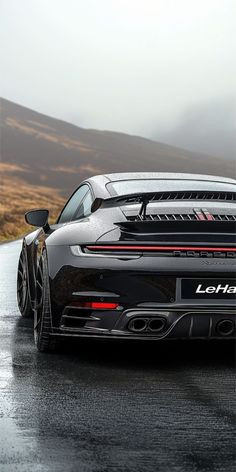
<point x="16" y="197"/>
<point x="43" y="159"/>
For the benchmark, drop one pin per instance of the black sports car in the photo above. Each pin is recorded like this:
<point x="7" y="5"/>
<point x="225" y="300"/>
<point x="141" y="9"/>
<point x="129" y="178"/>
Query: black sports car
<point x="144" y="256"/>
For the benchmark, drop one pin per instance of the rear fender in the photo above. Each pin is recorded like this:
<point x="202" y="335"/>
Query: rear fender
<point x="30" y="244"/>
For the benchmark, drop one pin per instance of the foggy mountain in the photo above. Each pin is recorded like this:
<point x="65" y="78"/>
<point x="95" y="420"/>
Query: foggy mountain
<point x="50" y="152"/>
<point x="209" y="127"/>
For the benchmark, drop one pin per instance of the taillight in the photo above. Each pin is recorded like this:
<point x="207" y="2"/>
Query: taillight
<point x="154" y="248"/>
<point x="135" y="251"/>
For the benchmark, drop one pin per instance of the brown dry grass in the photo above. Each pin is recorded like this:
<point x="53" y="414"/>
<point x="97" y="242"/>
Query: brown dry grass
<point x="17" y="197"/>
<point x="53" y="137"/>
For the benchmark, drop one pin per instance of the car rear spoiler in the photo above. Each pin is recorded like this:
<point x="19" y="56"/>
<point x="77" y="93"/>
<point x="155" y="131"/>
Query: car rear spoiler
<point x="131" y="198"/>
<point x="145" y="198"/>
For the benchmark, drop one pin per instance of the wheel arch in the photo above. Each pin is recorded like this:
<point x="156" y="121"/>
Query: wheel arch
<point x="30" y="247"/>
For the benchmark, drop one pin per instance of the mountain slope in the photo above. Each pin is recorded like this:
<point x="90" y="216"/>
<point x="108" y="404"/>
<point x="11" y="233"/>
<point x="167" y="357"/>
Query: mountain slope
<point x="54" y="156"/>
<point x="61" y="154"/>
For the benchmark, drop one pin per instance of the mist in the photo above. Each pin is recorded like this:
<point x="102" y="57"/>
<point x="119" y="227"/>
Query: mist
<point x="208" y="127"/>
<point x="162" y="69"/>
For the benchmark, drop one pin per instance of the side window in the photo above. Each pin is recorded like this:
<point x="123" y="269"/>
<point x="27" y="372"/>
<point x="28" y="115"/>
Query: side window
<point x="73" y="204"/>
<point x="85" y="207"/>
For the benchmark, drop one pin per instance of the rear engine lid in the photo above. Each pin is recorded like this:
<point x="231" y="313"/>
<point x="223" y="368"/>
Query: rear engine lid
<point x="180" y="223"/>
<point x="208" y="232"/>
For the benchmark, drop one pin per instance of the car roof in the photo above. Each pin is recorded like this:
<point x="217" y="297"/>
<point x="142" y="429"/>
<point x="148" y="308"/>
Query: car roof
<point x="114" y="177"/>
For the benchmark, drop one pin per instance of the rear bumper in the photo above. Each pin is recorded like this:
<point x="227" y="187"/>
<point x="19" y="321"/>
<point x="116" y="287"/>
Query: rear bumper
<point x="148" y="287"/>
<point x="173" y="324"/>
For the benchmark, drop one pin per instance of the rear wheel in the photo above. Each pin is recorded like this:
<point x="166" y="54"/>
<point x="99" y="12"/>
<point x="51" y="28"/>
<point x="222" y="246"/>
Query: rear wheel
<point x="23" y="297"/>
<point x="42" y="314"/>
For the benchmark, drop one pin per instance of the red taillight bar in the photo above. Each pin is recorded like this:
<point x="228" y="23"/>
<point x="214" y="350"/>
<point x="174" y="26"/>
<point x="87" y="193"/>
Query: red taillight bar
<point x="160" y="248"/>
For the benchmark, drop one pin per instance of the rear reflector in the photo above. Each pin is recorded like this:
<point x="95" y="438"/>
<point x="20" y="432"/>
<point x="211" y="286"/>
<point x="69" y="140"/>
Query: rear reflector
<point x="96" y="305"/>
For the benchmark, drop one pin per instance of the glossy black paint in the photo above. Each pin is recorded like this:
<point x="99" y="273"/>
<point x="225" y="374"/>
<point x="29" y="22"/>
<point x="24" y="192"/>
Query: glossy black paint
<point x="142" y="284"/>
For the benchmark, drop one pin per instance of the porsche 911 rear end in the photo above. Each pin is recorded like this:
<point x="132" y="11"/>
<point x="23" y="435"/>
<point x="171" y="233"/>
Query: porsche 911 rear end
<point x="166" y="272"/>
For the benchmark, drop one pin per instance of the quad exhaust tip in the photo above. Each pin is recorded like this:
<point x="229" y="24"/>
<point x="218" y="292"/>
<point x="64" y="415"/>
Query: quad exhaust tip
<point x="154" y="325"/>
<point x="225" y="327"/>
<point x="157" y="325"/>
<point x="137" y="325"/>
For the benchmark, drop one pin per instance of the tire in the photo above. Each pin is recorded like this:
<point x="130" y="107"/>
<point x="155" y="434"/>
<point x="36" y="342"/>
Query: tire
<point x="23" y="296"/>
<point x="42" y="314"/>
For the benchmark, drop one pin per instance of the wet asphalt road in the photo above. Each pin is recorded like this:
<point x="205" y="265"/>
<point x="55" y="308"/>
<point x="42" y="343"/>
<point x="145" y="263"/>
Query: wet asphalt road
<point x="111" y="407"/>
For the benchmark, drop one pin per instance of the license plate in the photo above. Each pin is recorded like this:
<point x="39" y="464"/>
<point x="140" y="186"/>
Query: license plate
<point x="223" y="289"/>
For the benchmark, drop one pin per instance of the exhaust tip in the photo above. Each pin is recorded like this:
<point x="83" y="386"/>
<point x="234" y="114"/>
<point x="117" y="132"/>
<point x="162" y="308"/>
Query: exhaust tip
<point x="225" y="327"/>
<point x="138" y="325"/>
<point x="157" y="325"/>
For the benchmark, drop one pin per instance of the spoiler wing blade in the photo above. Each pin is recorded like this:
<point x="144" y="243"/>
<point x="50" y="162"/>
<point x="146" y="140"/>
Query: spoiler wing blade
<point x="145" y="198"/>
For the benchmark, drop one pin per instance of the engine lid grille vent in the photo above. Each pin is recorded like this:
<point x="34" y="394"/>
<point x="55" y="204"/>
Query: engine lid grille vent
<point x="198" y="195"/>
<point x="224" y="217"/>
<point x="178" y="217"/>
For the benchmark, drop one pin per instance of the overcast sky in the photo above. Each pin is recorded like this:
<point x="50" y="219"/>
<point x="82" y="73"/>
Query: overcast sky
<point x="163" y="69"/>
